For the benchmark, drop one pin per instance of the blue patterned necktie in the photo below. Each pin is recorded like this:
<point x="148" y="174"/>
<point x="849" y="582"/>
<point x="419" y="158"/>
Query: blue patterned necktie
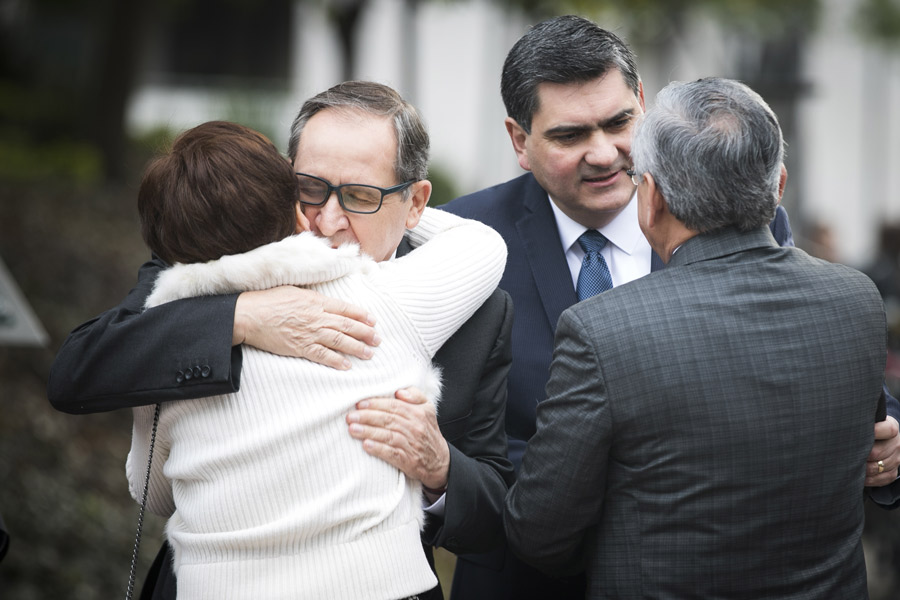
<point x="594" y="276"/>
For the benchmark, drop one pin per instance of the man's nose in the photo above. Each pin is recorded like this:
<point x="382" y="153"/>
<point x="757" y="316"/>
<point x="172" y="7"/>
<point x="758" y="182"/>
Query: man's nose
<point x="331" y="217"/>
<point x="603" y="150"/>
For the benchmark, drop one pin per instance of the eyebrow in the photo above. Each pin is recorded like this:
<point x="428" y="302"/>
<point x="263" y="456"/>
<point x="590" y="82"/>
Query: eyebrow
<point x="567" y="129"/>
<point x="628" y="112"/>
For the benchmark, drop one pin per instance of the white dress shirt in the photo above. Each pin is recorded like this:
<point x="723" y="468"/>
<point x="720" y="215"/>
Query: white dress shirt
<point x="627" y="252"/>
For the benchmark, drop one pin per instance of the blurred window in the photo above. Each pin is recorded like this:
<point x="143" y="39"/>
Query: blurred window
<point x="226" y="38"/>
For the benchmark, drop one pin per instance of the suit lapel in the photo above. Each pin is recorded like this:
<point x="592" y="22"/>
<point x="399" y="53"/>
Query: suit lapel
<point x="544" y="253"/>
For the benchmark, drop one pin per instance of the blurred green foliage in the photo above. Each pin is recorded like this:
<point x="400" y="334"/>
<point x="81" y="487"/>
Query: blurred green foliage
<point x="36" y="143"/>
<point x="443" y="187"/>
<point x="880" y="20"/>
<point x="26" y="161"/>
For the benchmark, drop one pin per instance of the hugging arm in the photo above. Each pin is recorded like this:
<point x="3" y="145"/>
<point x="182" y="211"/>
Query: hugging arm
<point x="475" y="360"/>
<point x="560" y="491"/>
<point x="130" y="357"/>
<point x="190" y="348"/>
<point x="884" y="487"/>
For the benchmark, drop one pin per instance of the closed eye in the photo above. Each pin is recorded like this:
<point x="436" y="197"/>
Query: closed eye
<point x="618" y="123"/>
<point x="566" y="136"/>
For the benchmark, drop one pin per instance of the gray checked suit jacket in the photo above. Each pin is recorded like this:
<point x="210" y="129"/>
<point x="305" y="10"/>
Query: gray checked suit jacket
<point x="706" y="429"/>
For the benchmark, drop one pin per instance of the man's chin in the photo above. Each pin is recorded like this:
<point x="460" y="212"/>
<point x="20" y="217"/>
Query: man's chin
<point x="613" y="199"/>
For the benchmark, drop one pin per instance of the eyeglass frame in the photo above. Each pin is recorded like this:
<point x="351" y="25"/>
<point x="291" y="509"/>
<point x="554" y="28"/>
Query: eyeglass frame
<point x="331" y="188"/>
<point x="633" y="174"/>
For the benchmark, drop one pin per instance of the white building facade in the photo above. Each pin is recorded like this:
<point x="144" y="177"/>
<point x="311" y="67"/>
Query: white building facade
<point x="843" y="147"/>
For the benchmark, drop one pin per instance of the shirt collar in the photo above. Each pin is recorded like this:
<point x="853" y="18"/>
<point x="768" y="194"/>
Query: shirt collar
<point x="623" y="231"/>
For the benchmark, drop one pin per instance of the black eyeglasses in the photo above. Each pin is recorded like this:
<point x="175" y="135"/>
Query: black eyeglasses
<point x="353" y="197"/>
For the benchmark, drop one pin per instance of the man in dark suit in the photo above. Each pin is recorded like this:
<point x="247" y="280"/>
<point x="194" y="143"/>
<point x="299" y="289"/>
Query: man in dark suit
<point x="191" y="348"/>
<point x="572" y="93"/>
<point x="707" y="426"/>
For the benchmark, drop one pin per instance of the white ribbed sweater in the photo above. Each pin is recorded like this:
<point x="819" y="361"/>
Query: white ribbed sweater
<point x="267" y="493"/>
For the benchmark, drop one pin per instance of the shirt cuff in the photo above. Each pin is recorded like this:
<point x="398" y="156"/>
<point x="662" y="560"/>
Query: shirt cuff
<point x="437" y="508"/>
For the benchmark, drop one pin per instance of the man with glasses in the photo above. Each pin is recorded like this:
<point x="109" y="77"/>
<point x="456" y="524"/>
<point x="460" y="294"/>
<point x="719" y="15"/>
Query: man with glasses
<point x="361" y="153"/>
<point x="572" y="94"/>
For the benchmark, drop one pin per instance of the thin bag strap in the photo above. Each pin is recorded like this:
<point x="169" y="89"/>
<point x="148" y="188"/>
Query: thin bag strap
<point x="137" y="538"/>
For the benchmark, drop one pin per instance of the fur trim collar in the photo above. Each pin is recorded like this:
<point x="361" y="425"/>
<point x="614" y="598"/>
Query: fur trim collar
<point x="301" y="259"/>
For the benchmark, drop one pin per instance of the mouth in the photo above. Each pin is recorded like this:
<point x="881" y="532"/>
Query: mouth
<point x="603" y="179"/>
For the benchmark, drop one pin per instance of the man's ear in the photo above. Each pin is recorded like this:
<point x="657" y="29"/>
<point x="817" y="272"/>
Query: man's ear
<point x="518" y="137"/>
<point x="656" y="205"/>
<point x="782" y="182"/>
<point x="420" y="193"/>
<point x="302" y="221"/>
<point x="641" y="95"/>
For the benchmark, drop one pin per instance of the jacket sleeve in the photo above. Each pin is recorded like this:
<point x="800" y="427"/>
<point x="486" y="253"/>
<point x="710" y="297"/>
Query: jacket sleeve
<point x="561" y="487"/>
<point x="129" y="357"/>
<point x="480" y="472"/>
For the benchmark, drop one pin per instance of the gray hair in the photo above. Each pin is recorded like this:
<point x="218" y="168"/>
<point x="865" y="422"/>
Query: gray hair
<point x="715" y="149"/>
<point x="567" y="49"/>
<point x="411" y="163"/>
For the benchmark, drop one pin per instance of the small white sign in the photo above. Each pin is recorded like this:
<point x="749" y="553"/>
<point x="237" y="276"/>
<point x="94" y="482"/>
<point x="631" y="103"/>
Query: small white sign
<point x="18" y="324"/>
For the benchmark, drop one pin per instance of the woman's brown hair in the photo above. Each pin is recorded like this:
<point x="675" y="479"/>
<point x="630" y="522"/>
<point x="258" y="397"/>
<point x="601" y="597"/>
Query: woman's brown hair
<point x="222" y="189"/>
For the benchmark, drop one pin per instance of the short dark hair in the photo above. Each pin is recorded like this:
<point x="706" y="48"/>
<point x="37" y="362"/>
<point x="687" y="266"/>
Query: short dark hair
<point x="566" y="49"/>
<point x="413" y="144"/>
<point x="222" y="189"/>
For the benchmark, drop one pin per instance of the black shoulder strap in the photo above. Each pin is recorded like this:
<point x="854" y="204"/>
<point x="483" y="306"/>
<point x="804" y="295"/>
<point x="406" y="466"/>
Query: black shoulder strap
<point x="137" y="538"/>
